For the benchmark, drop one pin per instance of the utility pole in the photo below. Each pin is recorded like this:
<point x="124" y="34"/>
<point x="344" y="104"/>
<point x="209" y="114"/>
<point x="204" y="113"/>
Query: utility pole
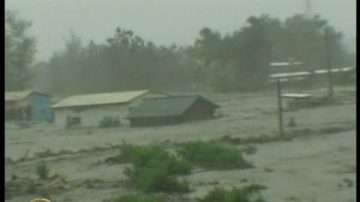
<point x="281" y="128"/>
<point x="329" y="63"/>
<point x="308" y="9"/>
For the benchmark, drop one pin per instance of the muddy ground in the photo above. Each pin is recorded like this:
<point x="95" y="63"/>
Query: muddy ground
<point x="318" y="166"/>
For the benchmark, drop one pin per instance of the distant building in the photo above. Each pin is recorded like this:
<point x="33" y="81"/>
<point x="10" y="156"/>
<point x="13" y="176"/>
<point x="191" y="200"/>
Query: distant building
<point x="344" y="73"/>
<point x="27" y="106"/>
<point x="92" y="110"/>
<point x="290" y="66"/>
<point x="171" y="110"/>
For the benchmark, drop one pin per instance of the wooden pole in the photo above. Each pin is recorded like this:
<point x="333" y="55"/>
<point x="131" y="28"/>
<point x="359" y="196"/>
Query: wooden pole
<point x="281" y="128"/>
<point x="329" y="64"/>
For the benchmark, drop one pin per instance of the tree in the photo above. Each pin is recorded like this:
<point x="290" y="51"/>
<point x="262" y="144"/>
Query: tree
<point x="255" y="53"/>
<point x="125" y="62"/>
<point x="245" y="53"/>
<point x="20" y="50"/>
<point x="208" y="46"/>
<point x="240" y="60"/>
<point x="304" y="40"/>
<point x="66" y="67"/>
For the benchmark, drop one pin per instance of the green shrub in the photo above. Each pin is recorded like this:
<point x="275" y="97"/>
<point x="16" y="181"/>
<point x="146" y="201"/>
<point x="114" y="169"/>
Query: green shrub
<point x="155" y="179"/>
<point x="138" y="198"/>
<point x="246" y="194"/>
<point x="42" y="171"/>
<point x="154" y="169"/>
<point x="151" y="156"/>
<point x="127" y="154"/>
<point x="213" y="155"/>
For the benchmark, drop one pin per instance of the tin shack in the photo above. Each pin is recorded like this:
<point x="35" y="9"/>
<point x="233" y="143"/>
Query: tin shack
<point x="171" y="110"/>
<point x="27" y="106"/>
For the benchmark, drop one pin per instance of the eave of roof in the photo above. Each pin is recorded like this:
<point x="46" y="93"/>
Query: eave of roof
<point x="20" y="95"/>
<point x="100" y="99"/>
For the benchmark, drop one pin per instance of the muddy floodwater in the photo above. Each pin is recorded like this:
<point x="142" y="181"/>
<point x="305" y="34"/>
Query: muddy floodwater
<point x="317" y="165"/>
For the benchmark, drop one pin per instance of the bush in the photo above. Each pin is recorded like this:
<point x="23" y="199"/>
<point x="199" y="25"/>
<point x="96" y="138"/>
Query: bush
<point x="213" y="155"/>
<point x="151" y="156"/>
<point x="246" y="194"/>
<point x="42" y="171"/>
<point x="155" y="179"/>
<point x="138" y="198"/>
<point x="154" y="170"/>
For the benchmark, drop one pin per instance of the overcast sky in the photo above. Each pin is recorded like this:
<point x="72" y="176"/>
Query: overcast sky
<point x="162" y="21"/>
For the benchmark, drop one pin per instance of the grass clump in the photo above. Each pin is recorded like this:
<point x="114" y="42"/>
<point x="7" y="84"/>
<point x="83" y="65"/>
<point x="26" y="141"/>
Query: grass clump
<point x="155" y="179"/>
<point x="138" y="198"/>
<point x="213" y="155"/>
<point x="42" y="171"/>
<point x="151" y="156"/>
<point x="247" y="194"/>
<point x="154" y="170"/>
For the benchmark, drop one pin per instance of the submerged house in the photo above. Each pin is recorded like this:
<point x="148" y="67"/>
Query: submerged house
<point x="27" y="106"/>
<point x="92" y="110"/>
<point x="171" y="110"/>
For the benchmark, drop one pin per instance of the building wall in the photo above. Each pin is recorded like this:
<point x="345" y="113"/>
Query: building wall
<point x="41" y="107"/>
<point x="199" y="110"/>
<point x="12" y="112"/>
<point x="92" y="116"/>
<point x="155" y="121"/>
<point x="35" y="107"/>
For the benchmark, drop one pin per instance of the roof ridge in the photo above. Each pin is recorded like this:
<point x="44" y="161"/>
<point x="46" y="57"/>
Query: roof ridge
<point x="112" y="92"/>
<point x="172" y="96"/>
<point x="100" y="98"/>
<point x="166" y="106"/>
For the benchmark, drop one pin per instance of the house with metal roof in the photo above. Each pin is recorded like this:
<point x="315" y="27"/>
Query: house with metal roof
<point x="101" y="109"/>
<point x="27" y="106"/>
<point x="342" y="73"/>
<point x="171" y="110"/>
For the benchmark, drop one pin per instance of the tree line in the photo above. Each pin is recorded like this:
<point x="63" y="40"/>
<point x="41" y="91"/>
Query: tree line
<point x="237" y="61"/>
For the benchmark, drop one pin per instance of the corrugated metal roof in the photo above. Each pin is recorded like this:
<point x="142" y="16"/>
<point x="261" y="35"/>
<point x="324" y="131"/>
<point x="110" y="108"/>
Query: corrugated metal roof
<point x="16" y="95"/>
<point x="167" y="106"/>
<point x="100" y="99"/>
<point x="279" y="64"/>
<point x="347" y="69"/>
<point x="296" y="95"/>
<point x="324" y="71"/>
<point x="290" y="74"/>
<point x="305" y="73"/>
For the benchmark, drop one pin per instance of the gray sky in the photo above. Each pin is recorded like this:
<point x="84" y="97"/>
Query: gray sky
<point x="162" y="21"/>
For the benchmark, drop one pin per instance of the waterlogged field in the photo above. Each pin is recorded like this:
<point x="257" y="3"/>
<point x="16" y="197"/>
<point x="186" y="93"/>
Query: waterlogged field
<point x="317" y="164"/>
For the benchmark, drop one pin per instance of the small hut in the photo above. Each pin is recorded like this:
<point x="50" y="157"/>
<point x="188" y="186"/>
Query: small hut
<point x="27" y="106"/>
<point x="171" y="110"/>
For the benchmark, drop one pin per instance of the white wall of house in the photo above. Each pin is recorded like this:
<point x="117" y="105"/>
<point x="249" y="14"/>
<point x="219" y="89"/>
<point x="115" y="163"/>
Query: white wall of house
<point x="91" y="117"/>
